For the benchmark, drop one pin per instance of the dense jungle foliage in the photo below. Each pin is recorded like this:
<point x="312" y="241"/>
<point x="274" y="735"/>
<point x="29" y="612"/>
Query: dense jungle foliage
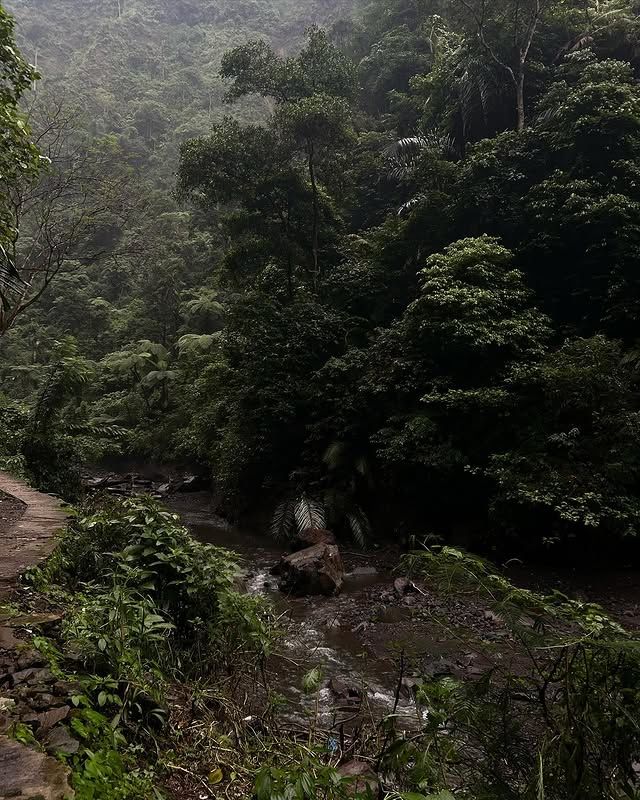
<point x="372" y="268"/>
<point x="395" y="278"/>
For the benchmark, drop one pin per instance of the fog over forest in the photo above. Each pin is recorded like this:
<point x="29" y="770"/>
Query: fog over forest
<point x="323" y="319"/>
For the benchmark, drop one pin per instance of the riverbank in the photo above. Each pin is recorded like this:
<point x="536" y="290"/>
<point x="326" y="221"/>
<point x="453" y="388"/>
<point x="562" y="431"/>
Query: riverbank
<point x="278" y="685"/>
<point x="377" y="636"/>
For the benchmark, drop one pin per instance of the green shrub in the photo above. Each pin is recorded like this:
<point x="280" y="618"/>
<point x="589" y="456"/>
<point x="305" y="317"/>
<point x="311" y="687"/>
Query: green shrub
<point x="554" y="715"/>
<point x="145" y="586"/>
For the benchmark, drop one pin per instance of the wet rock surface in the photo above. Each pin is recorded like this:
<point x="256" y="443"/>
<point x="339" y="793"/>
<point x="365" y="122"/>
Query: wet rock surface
<point x="361" y="777"/>
<point x="33" y="697"/>
<point x="26" y="774"/>
<point x="315" y="570"/>
<point x="133" y="483"/>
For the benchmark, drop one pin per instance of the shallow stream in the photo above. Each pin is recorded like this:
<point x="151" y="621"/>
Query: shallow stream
<point x="358" y="651"/>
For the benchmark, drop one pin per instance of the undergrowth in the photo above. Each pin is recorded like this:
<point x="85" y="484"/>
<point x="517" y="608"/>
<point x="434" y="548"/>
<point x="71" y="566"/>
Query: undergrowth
<point x="153" y="615"/>
<point x="146" y="607"/>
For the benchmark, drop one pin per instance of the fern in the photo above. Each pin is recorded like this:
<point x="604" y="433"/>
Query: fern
<point x="309" y="513"/>
<point x="359" y="525"/>
<point x="283" y="522"/>
<point x="298" y="514"/>
<point x="295" y="515"/>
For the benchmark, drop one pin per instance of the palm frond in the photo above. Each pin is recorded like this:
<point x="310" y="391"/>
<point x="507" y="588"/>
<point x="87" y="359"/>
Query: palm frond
<point x="97" y="428"/>
<point x="403" y="156"/>
<point x="405" y="208"/>
<point x="333" y="455"/>
<point x="359" y="525"/>
<point x="309" y="513"/>
<point x="283" y="522"/>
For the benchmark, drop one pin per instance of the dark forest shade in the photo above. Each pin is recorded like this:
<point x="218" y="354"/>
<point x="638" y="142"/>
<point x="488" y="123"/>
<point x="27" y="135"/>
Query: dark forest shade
<point x="397" y="275"/>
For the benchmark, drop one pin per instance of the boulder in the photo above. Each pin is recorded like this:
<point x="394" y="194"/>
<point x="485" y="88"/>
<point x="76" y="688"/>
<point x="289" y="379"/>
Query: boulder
<point x="344" y="691"/>
<point x="311" y="536"/>
<point x="49" y="718"/>
<point x="7" y="639"/>
<point x="403" y="586"/>
<point x="314" y="570"/>
<point x="99" y="482"/>
<point x="23" y="675"/>
<point x="26" y="774"/>
<point x="361" y="778"/>
<point x="59" y="740"/>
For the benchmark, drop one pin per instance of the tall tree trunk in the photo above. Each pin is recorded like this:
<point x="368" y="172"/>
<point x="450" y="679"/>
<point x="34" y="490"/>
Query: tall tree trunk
<point x="316" y="213"/>
<point x="520" y="100"/>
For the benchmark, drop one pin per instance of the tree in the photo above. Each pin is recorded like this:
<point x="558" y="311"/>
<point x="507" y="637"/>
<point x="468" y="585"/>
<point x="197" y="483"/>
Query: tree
<point x="448" y="359"/>
<point x="250" y="172"/>
<point x="62" y="212"/>
<point x="261" y="167"/>
<point x="564" y="196"/>
<point x="572" y="471"/>
<point x="507" y="32"/>
<point x="320" y="122"/>
<point x="319" y="68"/>
<point x="517" y="23"/>
<point x="19" y="157"/>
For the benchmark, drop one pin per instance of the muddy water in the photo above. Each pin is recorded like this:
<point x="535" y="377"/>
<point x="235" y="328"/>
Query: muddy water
<point x="358" y="652"/>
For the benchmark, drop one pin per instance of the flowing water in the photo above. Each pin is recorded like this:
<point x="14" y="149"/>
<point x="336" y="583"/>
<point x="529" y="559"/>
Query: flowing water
<point x="359" y="655"/>
<point x="361" y="638"/>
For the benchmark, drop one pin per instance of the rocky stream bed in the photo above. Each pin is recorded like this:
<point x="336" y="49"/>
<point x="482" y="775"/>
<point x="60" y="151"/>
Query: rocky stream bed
<point x="373" y="641"/>
<point x="381" y="634"/>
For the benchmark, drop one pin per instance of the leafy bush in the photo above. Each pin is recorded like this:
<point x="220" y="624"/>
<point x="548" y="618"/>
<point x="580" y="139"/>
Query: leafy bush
<point x="105" y="767"/>
<point x="145" y="603"/>
<point x="13" y="421"/>
<point x="147" y="584"/>
<point x="555" y="713"/>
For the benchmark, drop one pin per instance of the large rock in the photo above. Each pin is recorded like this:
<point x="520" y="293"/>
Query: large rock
<point x="27" y="774"/>
<point x="311" y="536"/>
<point x="314" y="570"/>
<point x="361" y="778"/>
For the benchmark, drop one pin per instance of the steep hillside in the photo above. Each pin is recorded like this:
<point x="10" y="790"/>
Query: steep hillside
<point x="148" y="69"/>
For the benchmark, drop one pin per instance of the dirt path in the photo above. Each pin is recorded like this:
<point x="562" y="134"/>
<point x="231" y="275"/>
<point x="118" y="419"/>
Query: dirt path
<point x="29" y="521"/>
<point x="25" y="539"/>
